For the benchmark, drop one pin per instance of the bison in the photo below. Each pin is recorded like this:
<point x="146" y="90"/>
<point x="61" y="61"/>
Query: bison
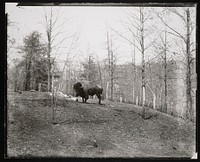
<point x="86" y="90"/>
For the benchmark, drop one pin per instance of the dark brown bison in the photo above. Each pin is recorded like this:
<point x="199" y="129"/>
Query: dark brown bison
<point x="85" y="90"/>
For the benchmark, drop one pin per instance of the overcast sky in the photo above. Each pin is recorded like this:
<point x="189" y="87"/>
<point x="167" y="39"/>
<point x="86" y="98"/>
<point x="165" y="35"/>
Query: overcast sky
<point x="89" y="22"/>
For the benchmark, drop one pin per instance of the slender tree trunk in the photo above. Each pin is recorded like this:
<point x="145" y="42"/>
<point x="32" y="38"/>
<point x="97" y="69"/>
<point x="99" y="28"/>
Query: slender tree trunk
<point x="66" y="75"/>
<point x="49" y="37"/>
<point x="49" y="68"/>
<point x="188" y="71"/>
<point x="143" y="62"/>
<point x="112" y="74"/>
<point x="160" y="88"/>
<point x="52" y="85"/>
<point x="133" y="72"/>
<point x="69" y="77"/>
<point x="108" y="48"/>
<point x="28" y="76"/>
<point x="107" y="90"/>
<point x="100" y="73"/>
<point x="53" y="99"/>
<point x="165" y="67"/>
<point x="160" y="94"/>
<point x="134" y="75"/>
<point x="48" y="81"/>
<point x="110" y="65"/>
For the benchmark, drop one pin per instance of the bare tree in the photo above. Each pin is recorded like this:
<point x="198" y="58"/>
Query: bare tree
<point x="100" y="71"/>
<point x="137" y="27"/>
<point x="165" y="69"/>
<point x="111" y="64"/>
<point x="185" y="17"/>
<point x="53" y="30"/>
<point x="162" y="46"/>
<point x="133" y="71"/>
<point x="165" y="80"/>
<point x="67" y="63"/>
<point x="141" y="29"/>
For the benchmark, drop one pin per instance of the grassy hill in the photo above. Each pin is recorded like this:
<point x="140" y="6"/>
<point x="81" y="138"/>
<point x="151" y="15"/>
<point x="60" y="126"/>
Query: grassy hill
<point x="91" y="130"/>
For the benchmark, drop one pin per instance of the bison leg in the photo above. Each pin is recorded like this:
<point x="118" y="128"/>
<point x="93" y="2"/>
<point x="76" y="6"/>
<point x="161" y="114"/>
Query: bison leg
<point x="86" y="97"/>
<point x="99" y="97"/>
<point x="83" y="99"/>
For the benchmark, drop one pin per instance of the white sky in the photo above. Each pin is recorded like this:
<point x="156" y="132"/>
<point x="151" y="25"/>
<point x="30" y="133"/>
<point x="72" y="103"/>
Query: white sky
<point x="90" y="22"/>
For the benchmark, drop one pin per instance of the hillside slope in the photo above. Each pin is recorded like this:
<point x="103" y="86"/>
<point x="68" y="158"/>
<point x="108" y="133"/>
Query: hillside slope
<point x="91" y="130"/>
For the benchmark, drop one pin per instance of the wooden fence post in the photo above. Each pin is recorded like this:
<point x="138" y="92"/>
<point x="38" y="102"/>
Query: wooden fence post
<point x="154" y="101"/>
<point x="39" y="87"/>
<point x="120" y="98"/>
<point x="137" y="100"/>
<point x="107" y="86"/>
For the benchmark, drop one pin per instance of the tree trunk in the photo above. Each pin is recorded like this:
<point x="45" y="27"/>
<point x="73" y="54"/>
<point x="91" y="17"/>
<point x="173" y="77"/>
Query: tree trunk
<point x="188" y="71"/>
<point x="28" y="76"/>
<point x="52" y="84"/>
<point x="133" y="95"/>
<point x="112" y="83"/>
<point x="49" y="37"/>
<point x="107" y="90"/>
<point x="110" y="66"/>
<point x="133" y="72"/>
<point x="165" y="67"/>
<point x="143" y="62"/>
<point x="100" y="73"/>
<point x="49" y="71"/>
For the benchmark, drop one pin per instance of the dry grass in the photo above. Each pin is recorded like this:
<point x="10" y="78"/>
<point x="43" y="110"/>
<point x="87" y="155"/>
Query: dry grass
<point x="91" y="130"/>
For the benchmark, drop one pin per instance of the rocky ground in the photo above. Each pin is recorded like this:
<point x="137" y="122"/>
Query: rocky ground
<point x="91" y="130"/>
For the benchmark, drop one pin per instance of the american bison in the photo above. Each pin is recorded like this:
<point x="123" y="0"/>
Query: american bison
<point x="85" y="90"/>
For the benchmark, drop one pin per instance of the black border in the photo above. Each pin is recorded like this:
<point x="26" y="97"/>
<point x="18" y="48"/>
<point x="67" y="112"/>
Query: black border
<point x="169" y="3"/>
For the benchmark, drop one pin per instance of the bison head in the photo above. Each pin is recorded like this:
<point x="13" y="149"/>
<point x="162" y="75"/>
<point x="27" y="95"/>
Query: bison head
<point x="78" y="89"/>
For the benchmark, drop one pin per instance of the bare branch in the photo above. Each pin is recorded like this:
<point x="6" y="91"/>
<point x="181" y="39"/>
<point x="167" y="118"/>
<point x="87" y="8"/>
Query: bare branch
<point x="134" y="19"/>
<point x="146" y="18"/>
<point x="178" y="14"/>
<point x="59" y="26"/>
<point x="193" y="50"/>
<point x="136" y="37"/>
<point x="124" y="38"/>
<point x="147" y="34"/>
<point x="192" y="28"/>
<point x="54" y="36"/>
<point x="56" y="19"/>
<point x="154" y="57"/>
<point x="133" y="15"/>
<point x="177" y="33"/>
<point x="60" y="42"/>
<point x="150" y="44"/>
<point x="136" y="26"/>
